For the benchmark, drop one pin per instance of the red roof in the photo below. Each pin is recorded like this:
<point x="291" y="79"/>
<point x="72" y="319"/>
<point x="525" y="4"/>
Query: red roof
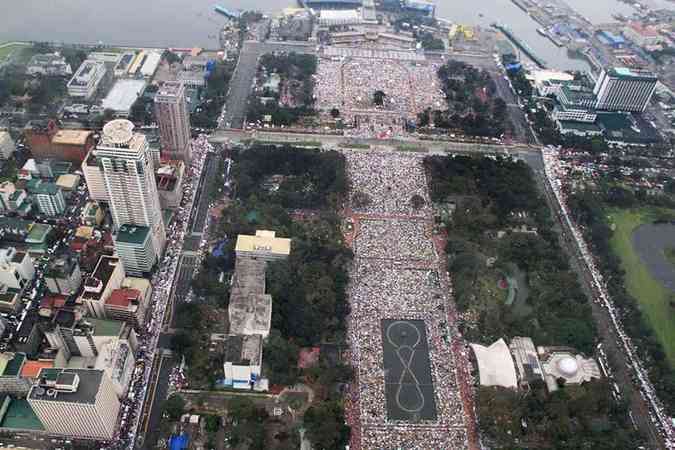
<point x="53" y="301"/>
<point x="122" y="297"/>
<point x="31" y="369"/>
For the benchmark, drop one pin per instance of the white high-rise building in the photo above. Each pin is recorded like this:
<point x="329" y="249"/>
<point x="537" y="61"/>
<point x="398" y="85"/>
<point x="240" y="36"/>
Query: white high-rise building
<point x="129" y="176"/>
<point x="75" y="402"/>
<point x="173" y="119"/>
<point x="624" y="89"/>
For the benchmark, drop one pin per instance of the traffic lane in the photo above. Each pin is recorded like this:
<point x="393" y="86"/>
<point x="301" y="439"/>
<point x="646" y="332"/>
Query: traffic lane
<point x="161" y="390"/>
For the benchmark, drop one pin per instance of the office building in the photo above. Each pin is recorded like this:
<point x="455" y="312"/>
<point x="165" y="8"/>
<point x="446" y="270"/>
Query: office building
<point x="94" y="178"/>
<point x="75" y="402"/>
<point x="49" y="64"/>
<point x="7" y="146"/>
<point x="624" y="89"/>
<point x="169" y="177"/>
<point x="86" y="80"/>
<point x="264" y="246"/>
<point x="129" y="304"/>
<point x="107" y="276"/>
<point x="49" y="199"/>
<point x="16" y="268"/>
<point x="173" y="119"/>
<point x="123" y="158"/>
<point x="134" y="246"/>
<point x="63" y="275"/>
<point x="242" y="360"/>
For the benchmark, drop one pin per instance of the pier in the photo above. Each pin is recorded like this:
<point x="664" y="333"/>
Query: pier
<point x="522" y="45"/>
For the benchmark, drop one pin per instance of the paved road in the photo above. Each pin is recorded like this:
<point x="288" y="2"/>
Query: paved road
<point x="160" y="391"/>
<point x="242" y="79"/>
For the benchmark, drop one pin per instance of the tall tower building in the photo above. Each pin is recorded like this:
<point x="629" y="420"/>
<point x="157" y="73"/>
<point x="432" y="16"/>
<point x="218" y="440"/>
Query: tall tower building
<point x="624" y="89"/>
<point x="173" y="119"/>
<point x="128" y="173"/>
<point x="75" y="402"/>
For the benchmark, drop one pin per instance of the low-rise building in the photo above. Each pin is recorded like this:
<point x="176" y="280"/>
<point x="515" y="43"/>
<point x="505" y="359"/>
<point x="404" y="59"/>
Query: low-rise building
<point x="62" y="275"/>
<point x="568" y="368"/>
<point x="127" y="305"/>
<point x="644" y="36"/>
<point x="16" y="268"/>
<point x="86" y="80"/>
<point x="7" y="146"/>
<point x="49" y="64"/>
<point x="242" y="361"/>
<point x="107" y="277"/>
<point x="169" y="178"/>
<point x="123" y="95"/>
<point x="250" y="309"/>
<point x="37" y="238"/>
<point x="92" y="214"/>
<point x="495" y="365"/>
<point x="264" y="246"/>
<point x="49" y="199"/>
<point x="68" y="183"/>
<point x="72" y="145"/>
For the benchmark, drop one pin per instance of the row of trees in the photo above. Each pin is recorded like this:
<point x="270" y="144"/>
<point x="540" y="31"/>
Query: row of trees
<point x="589" y="210"/>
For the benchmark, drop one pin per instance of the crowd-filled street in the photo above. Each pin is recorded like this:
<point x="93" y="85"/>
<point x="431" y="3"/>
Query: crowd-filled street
<point x="555" y="175"/>
<point x="399" y="275"/>
<point x="162" y="281"/>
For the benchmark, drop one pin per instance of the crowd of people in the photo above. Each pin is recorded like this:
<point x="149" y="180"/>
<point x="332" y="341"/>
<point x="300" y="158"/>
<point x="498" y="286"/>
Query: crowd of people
<point x="397" y="276"/>
<point x="162" y="281"/>
<point x="555" y="174"/>
<point x="388" y="191"/>
<point x="349" y="85"/>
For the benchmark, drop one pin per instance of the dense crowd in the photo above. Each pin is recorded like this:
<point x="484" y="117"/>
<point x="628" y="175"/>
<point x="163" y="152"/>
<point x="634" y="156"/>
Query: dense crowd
<point x="349" y="85"/>
<point x="162" y="282"/>
<point x="556" y="176"/>
<point x="390" y="190"/>
<point x="396" y="276"/>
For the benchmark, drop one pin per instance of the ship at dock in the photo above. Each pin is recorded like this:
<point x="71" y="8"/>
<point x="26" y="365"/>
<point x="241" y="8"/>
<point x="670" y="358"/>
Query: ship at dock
<point x="522" y="45"/>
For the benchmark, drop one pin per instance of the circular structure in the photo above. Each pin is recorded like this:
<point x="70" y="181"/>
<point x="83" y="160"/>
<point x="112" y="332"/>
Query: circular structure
<point x="118" y="131"/>
<point x="403" y="334"/>
<point x="568" y="366"/>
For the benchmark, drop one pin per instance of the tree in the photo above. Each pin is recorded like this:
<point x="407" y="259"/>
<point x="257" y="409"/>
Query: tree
<point x="174" y="407"/>
<point x="335" y="113"/>
<point x="325" y="424"/>
<point x="281" y="359"/>
<point x="171" y="57"/>
<point x="417" y="201"/>
<point x="378" y="97"/>
<point x="181" y="342"/>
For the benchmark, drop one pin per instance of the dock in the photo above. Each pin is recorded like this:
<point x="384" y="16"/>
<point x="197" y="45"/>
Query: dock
<point x="522" y="45"/>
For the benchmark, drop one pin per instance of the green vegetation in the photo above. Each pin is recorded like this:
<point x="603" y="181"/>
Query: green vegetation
<point x="314" y="144"/>
<point x="294" y="98"/>
<point x="473" y="107"/>
<point x="493" y="200"/>
<point x="632" y="289"/>
<point x="174" y="407"/>
<point x="354" y="146"/>
<point x="7" y="49"/>
<point x="574" y="417"/>
<point x="494" y="196"/>
<point x="653" y="297"/>
<point x="669" y="253"/>
<point x="212" y="97"/>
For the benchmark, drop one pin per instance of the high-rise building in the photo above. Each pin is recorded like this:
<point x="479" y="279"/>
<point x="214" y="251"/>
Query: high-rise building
<point x="173" y="119"/>
<point x="124" y="159"/>
<point x="75" y="402"/>
<point x="624" y="89"/>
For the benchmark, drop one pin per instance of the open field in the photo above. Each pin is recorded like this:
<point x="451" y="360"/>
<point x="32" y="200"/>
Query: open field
<point x="8" y="48"/>
<point x="653" y="297"/>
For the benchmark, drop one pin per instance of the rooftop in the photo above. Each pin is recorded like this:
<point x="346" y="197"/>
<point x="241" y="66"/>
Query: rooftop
<point x="11" y="367"/>
<point x="31" y="369"/>
<point x="38" y="233"/>
<point x="68" y="181"/>
<point x="263" y="241"/>
<point x="627" y="72"/>
<point x="21" y="416"/>
<point x="243" y="349"/>
<point x="250" y="308"/>
<point x="123" y="95"/>
<point x="104" y="327"/>
<point x="132" y="234"/>
<point x="495" y="366"/>
<point x="123" y="297"/>
<point x="71" y="137"/>
<point x="85" y="392"/>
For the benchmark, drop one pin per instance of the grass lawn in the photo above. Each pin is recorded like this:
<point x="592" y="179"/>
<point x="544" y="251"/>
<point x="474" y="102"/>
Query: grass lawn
<point x="6" y="50"/>
<point x="652" y="296"/>
<point x="670" y="255"/>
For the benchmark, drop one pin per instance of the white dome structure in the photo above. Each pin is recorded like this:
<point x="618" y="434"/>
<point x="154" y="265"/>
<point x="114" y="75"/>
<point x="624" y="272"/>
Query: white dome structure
<point x="568" y="366"/>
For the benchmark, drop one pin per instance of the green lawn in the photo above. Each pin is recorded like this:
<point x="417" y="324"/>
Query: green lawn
<point x="670" y="255"/>
<point x="651" y="294"/>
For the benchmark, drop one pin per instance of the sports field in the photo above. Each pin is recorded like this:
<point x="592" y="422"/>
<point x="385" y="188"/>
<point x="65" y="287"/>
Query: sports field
<point x="8" y="47"/>
<point x="407" y="373"/>
<point x="653" y="296"/>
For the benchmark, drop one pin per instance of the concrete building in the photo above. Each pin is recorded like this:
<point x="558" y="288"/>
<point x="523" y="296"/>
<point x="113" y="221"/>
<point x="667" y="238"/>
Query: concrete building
<point x="85" y="397"/>
<point x="7" y="146"/>
<point x="570" y="368"/>
<point x="169" y="178"/>
<point x="16" y="268"/>
<point x="92" y="214"/>
<point x="173" y="120"/>
<point x="624" y="89"/>
<point x="49" y="64"/>
<point x="334" y="17"/>
<point x="93" y="176"/>
<point x="107" y="276"/>
<point x="128" y="304"/>
<point x="11" y="381"/>
<point x="527" y="361"/>
<point x="264" y="246"/>
<point x="62" y="275"/>
<point x="574" y="115"/>
<point x="124" y="159"/>
<point x="135" y="248"/>
<point x="38" y="134"/>
<point x="122" y="96"/>
<point x="49" y="199"/>
<point x="242" y="360"/>
<point x="86" y="80"/>
<point x="71" y="145"/>
<point x="250" y="309"/>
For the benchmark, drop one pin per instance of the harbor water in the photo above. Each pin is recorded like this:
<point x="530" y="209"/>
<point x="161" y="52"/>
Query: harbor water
<point x="189" y="23"/>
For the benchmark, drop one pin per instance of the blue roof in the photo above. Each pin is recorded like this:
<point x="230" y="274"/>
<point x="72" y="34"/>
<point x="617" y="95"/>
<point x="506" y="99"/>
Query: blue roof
<point x="179" y="442"/>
